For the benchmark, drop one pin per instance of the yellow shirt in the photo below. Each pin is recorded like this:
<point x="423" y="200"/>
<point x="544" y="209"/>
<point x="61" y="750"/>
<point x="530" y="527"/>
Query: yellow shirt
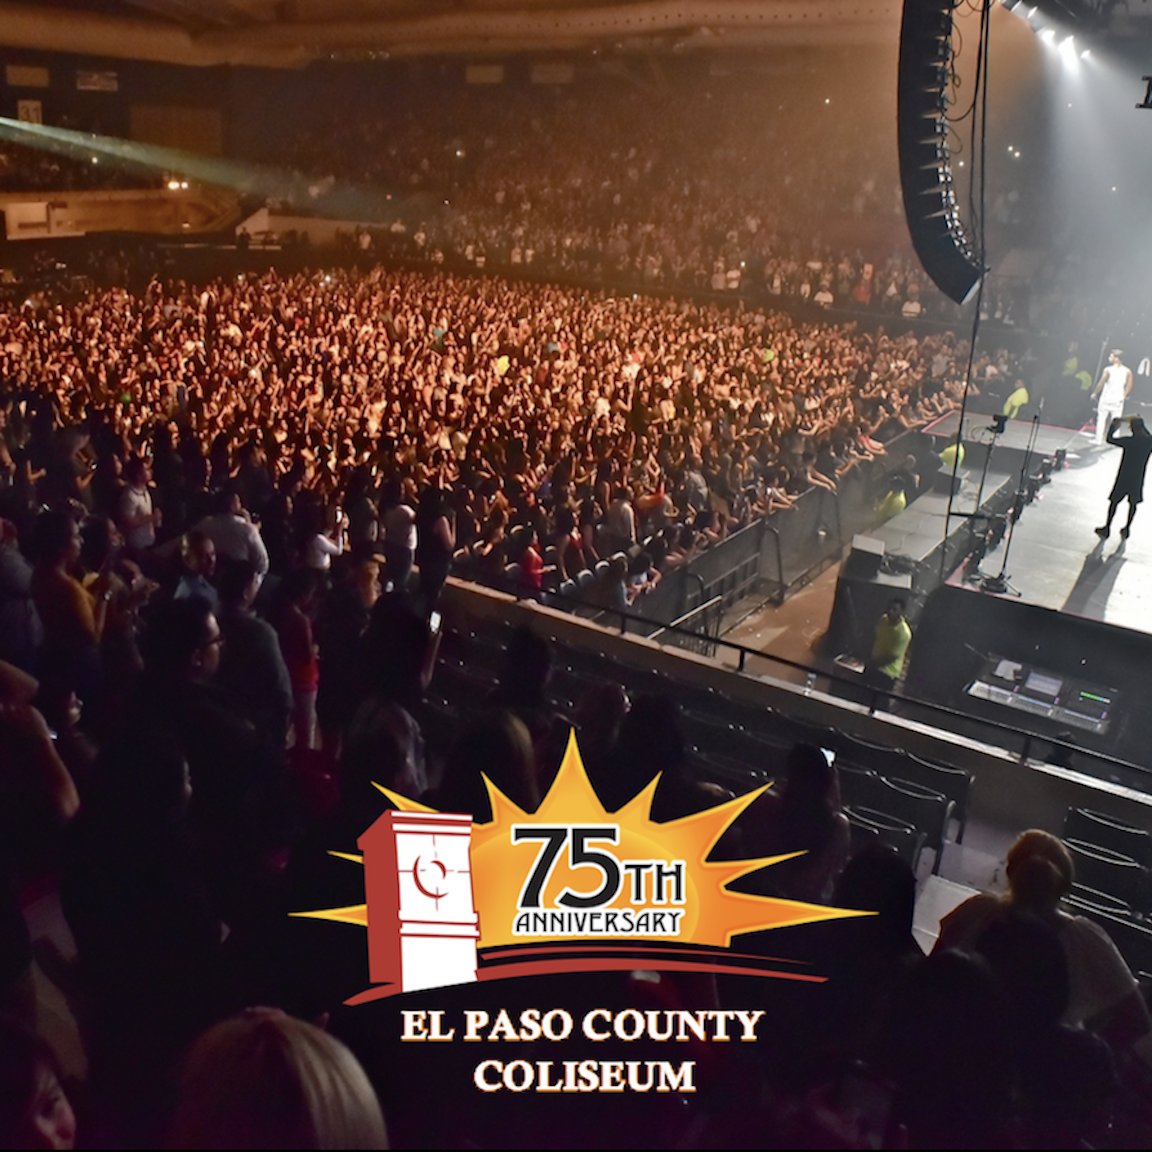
<point x="890" y="646"/>
<point x="66" y="609"/>
<point x="1015" y="402"/>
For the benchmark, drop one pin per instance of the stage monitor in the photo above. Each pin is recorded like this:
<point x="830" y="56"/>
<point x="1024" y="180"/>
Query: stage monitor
<point x="864" y="560"/>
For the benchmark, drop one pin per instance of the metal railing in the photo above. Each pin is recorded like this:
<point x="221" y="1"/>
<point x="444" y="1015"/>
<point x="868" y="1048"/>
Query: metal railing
<point x="696" y="631"/>
<point x="848" y="687"/>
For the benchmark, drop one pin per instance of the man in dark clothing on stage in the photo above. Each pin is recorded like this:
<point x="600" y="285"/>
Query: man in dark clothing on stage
<point x="1136" y="448"/>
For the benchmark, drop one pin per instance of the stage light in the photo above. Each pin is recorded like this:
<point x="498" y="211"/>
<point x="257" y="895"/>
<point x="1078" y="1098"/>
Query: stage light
<point x="1048" y="35"/>
<point x="1086" y="54"/>
<point x="1068" y="54"/>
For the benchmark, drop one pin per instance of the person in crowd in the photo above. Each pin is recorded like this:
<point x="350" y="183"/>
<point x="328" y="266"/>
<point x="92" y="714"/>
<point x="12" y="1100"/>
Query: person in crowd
<point x="399" y="544"/>
<point x="299" y="596"/>
<point x="21" y="632"/>
<point x="266" y="1080"/>
<point x="533" y="570"/>
<point x="1066" y="1076"/>
<point x="132" y="859"/>
<point x="651" y="741"/>
<point x="325" y="537"/>
<point x="102" y="552"/>
<point x="1103" y="995"/>
<point x="496" y="745"/>
<point x="231" y="530"/>
<point x="242" y="806"/>
<point x="340" y="626"/>
<point x="435" y="543"/>
<point x="35" y="1111"/>
<point x="38" y="794"/>
<point x="198" y="564"/>
<point x="619" y="522"/>
<point x="962" y="1095"/>
<point x="252" y="672"/>
<point x="73" y="616"/>
<point x="138" y="518"/>
<point x="804" y="816"/>
<point x="363" y="515"/>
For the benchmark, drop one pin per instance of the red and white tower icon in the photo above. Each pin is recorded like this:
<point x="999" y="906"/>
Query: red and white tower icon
<point x="422" y="925"/>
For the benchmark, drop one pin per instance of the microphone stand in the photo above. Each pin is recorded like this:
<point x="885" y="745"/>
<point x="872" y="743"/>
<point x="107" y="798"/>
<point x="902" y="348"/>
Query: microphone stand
<point x="998" y="425"/>
<point x="1001" y="583"/>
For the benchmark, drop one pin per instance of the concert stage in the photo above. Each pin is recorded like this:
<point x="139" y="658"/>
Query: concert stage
<point x="1056" y="561"/>
<point x="1074" y="628"/>
<point x="1010" y="446"/>
<point x="917" y="538"/>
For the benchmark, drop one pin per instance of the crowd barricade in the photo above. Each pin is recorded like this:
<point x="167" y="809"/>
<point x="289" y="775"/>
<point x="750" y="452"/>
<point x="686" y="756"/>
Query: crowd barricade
<point x="764" y="561"/>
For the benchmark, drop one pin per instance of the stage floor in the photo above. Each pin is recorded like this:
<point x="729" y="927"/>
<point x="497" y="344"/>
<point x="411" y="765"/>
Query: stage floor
<point x="1057" y="561"/>
<point x="1045" y="439"/>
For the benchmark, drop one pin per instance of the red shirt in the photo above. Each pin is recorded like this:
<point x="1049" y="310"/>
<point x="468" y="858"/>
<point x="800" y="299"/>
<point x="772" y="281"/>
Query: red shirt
<point x="532" y="565"/>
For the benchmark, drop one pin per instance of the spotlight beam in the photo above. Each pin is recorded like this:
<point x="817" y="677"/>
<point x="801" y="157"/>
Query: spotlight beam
<point x="355" y="202"/>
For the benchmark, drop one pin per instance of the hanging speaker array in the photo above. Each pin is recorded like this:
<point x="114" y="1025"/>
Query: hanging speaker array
<point x="938" y="234"/>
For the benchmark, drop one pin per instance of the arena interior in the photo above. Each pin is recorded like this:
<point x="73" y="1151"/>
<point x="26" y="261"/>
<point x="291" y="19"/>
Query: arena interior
<point x="390" y="389"/>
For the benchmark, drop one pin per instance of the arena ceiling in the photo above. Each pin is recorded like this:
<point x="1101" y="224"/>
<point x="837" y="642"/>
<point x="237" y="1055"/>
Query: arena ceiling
<point x="292" y="33"/>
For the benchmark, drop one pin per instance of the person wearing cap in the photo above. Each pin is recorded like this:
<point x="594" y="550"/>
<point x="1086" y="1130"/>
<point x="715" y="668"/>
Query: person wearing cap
<point x="1111" y="392"/>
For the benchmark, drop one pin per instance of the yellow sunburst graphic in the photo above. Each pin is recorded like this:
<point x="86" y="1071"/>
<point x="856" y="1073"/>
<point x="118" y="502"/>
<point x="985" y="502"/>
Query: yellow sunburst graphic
<point x="530" y="877"/>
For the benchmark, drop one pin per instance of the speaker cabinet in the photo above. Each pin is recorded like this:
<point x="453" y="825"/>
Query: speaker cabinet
<point x="930" y="203"/>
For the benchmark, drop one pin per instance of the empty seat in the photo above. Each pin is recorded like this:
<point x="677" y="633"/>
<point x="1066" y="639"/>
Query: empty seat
<point x="712" y="735"/>
<point x="585" y="579"/>
<point x="955" y="783"/>
<point x="1091" y="827"/>
<point x="897" y="834"/>
<point x="567" y="591"/>
<point x="866" y="753"/>
<point x="731" y="774"/>
<point x="924" y="808"/>
<point x="1109" y="872"/>
<point x="514" y="578"/>
<point x="601" y="568"/>
<point x="1087" y="900"/>
<point x="859" y="786"/>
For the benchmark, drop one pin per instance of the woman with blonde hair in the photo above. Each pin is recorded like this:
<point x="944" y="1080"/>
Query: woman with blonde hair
<point x="1103" y="995"/>
<point x="266" y="1080"/>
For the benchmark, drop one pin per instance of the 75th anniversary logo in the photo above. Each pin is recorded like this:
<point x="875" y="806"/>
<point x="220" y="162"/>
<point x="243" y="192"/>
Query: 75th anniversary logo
<point x="567" y="888"/>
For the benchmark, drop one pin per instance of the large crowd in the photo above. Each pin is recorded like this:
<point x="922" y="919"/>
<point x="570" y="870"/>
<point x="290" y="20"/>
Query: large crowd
<point x="702" y="185"/>
<point x="228" y="511"/>
<point x="337" y="396"/>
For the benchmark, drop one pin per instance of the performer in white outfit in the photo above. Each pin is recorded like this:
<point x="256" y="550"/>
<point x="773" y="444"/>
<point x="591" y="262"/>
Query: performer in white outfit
<point x="1113" y="389"/>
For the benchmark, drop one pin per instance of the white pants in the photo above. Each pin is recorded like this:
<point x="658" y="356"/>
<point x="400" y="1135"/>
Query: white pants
<point x="1105" y="414"/>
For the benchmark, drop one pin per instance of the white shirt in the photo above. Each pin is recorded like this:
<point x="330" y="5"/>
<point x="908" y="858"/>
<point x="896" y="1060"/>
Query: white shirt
<point x="135" y="504"/>
<point x="1114" y="385"/>
<point x="236" y="539"/>
<point x="400" y="526"/>
<point x="318" y="552"/>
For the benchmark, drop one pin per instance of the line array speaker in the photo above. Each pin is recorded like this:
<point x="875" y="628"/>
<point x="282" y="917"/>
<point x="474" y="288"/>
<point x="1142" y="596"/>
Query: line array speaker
<point x="930" y="206"/>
